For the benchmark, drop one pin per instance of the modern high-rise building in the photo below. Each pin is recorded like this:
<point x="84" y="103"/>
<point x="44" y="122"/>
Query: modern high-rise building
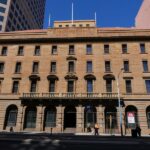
<point x="142" y="19"/>
<point x="21" y="14"/>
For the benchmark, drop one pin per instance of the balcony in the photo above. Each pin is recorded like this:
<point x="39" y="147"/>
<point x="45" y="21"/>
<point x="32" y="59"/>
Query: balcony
<point x="69" y="96"/>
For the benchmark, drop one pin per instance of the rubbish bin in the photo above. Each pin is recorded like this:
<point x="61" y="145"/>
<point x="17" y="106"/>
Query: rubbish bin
<point x="134" y="133"/>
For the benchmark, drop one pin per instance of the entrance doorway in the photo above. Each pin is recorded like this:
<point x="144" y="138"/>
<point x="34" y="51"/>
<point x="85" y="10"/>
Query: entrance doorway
<point x="89" y="116"/>
<point x="111" y="120"/>
<point x="70" y="117"/>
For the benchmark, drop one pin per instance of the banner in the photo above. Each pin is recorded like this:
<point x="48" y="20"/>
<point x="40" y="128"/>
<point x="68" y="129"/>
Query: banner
<point x="131" y="117"/>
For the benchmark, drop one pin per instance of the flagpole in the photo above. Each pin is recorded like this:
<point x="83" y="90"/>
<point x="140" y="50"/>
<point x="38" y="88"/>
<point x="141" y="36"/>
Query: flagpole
<point x="95" y="19"/>
<point x="49" y="22"/>
<point x="72" y="12"/>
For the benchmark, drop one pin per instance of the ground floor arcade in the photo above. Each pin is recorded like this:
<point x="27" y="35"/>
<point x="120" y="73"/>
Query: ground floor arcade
<point x="67" y="116"/>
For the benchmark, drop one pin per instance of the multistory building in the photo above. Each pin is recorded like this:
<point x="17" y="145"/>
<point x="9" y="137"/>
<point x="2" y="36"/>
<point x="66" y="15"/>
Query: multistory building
<point x="142" y="19"/>
<point x="21" y="14"/>
<point x="64" y="79"/>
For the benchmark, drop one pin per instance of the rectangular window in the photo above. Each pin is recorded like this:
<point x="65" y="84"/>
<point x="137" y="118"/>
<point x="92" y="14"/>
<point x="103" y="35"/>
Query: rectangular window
<point x="20" y="51"/>
<point x="89" y="86"/>
<point x="37" y="51"/>
<point x="142" y="48"/>
<point x="4" y="51"/>
<point x="2" y="9"/>
<point x="54" y="50"/>
<point x="147" y="82"/>
<point x="88" y="49"/>
<point x="89" y="67"/>
<point x="106" y="49"/>
<point x="1" y="18"/>
<point x="71" y="50"/>
<point x="53" y="67"/>
<point x="124" y="48"/>
<point x="70" y="86"/>
<point x="1" y="67"/>
<point x="126" y="66"/>
<point x="108" y="85"/>
<point x="33" y="86"/>
<point x="18" y="67"/>
<point x="15" y="87"/>
<point x="3" y="1"/>
<point x="107" y="66"/>
<point x="145" y="66"/>
<point x="128" y="86"/>
<point x="52" y="86"/>
<point x="71" y="66"/>
<point x="35" y="68"/>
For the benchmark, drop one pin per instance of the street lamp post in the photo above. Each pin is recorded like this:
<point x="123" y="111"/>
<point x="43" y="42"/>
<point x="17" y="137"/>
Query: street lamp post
<point x="120" y="111"/>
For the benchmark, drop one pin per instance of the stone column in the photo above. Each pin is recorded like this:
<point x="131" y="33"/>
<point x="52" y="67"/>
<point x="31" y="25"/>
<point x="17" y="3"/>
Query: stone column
<point x="118" y="120"/>
<point x="101" y="118"/>
<point x="142" y="119"/>
<point x="123" y="121"/>
<point x="60" y="118"/>
<point x="20" y="117"/>
<point x="39" y="118"/>
<point x="80" y="119"/>
<point x="2" y="116"/>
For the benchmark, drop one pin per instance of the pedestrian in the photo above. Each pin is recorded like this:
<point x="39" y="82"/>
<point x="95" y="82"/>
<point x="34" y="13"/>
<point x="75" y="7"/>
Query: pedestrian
<point x="11" y="129"/>
<point x="96" y="128"/>
<point x="88" y="128"/>
<point x="138" y="130"/>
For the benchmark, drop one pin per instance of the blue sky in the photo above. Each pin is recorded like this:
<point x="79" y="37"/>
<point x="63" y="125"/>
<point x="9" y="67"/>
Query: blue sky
<point x="110" y="13"/>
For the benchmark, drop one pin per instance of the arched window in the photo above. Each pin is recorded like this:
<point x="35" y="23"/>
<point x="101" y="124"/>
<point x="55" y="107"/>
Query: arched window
<point x="148" y="116"/>
<point x="50" y="117"/>
<point x="131" y="117"/>
<point x="11" y="116"/>
<point x="30" y="117"/>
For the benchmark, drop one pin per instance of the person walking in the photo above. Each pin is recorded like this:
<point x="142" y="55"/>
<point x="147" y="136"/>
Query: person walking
<point x="96" y="128"/>
<point x="138" y="130"/>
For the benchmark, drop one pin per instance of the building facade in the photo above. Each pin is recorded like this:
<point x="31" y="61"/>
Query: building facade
<point x="142" y="19"/>
<point x="21" y="15"/>
<point x="64" y="79"/>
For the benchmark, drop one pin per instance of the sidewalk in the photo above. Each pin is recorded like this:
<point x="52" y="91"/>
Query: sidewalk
<point x="65" y="134"/>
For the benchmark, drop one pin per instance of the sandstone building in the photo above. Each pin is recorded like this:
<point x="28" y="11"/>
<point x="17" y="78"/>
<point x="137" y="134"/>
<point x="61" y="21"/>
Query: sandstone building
<point x="21" y="14"/>
<point x="65" y="78"/>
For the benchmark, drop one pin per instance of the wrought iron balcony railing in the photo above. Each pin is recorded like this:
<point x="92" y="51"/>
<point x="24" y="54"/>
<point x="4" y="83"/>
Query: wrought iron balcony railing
<point x="69" y="95"/>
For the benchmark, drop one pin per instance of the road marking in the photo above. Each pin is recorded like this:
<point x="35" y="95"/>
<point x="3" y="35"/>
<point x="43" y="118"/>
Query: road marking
<point x="27" y="141"/>
<point x="56" y="142"/>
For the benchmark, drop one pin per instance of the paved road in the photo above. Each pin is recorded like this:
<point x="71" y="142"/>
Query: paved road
<point x="69" y="142"/>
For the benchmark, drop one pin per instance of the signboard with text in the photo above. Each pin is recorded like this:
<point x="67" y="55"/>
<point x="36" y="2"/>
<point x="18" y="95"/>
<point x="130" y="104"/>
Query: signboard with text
<point x="131" y="117"/>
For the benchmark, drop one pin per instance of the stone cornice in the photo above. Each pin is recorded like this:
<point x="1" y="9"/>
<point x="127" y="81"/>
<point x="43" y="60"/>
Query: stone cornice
<point x="75" y="34"/>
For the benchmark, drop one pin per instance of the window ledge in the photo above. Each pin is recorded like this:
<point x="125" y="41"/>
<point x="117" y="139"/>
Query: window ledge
<point x="36" y="55"/>
<point x="89" y="54"/>
<point x="71" y="54"/>
<point x="144" y="53"/>
<point x="127" y="72"/>
<point x="17" y="72"/>
<point x="35" y="72"/>
<point x="54" y="54"/>
<point x="146" y="71"/>
<point x="89" y="72"/>
<point x="125" y="53"/>
<point x="19" y="55"/>
<point x="53" y="72"/>
<point x="108" y="72"/>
